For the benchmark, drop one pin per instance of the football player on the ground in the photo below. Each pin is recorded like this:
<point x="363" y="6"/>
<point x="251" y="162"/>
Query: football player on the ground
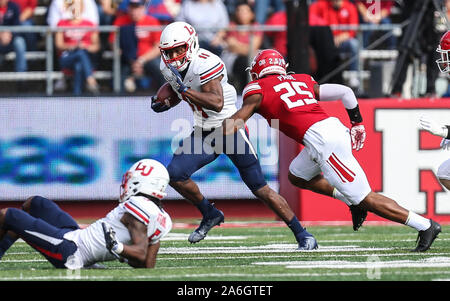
<point x="293" y="100"/>
<point x="200" y="78"/>
<point x="131" y="232"/>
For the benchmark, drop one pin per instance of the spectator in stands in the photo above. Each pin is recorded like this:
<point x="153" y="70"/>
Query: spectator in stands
<point x="9" y="41"/>
<point x="230" y="6"/>
<point x="423" y="47"/>
<point x="163" y="10"/>
<point x="107" y="10"/>
<point x="60" y="10"/>
<point x="322" y="50"/>
<point x="140" y="48"/>
<point x="209" y="18"/>
<point x="262" y="8"/>
<point x="77" y="48"/>
<point x="341" y="12"/>
<point x="26" y="8"/>
<point x="240" y="45"/>
<point x="375" y="12"/>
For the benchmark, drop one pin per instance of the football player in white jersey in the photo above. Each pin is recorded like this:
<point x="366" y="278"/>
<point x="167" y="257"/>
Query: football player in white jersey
<point x="131" y="232"/>
<point x="200" y="78"/>
<point x="436" y="128"/>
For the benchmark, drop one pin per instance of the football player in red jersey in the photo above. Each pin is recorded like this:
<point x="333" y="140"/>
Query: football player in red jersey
<point x="436" y="128"/>
<point x="292" y="99"/>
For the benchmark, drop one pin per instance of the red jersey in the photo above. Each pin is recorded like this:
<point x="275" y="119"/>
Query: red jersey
<point x="290" y="99"/>
<point x="25" y="4"/>
<point x="346" y="15"/>
<point x="75" y="36"/>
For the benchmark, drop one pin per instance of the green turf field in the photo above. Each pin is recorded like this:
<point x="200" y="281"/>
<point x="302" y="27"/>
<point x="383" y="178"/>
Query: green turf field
<point x="263" y="253"/>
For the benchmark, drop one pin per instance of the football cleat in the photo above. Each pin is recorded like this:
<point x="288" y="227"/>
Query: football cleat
<point x="206" y="225"/>
<point x="307" y="242"/>
<point x="426" y="237"/>
<point x="358" y="216"/>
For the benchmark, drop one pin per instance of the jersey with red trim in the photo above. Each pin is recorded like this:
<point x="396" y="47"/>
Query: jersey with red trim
<point x="289" y="99"/>
<point x="206" y="66"/>
<point x="91" y="240"/>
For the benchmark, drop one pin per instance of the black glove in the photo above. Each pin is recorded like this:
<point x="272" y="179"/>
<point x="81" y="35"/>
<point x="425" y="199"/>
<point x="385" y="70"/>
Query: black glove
<point x="158" y="107"/>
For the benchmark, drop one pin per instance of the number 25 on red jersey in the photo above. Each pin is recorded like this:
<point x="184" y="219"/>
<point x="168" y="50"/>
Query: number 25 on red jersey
<point x="291" y="92"/>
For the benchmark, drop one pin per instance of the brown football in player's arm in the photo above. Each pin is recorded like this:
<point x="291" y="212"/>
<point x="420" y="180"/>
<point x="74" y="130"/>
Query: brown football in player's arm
<point x="164" y="99"/>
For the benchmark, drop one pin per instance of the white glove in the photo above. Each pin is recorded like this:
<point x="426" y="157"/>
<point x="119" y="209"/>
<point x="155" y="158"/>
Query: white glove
<point x="445" y="144"/>
<point x="358" y="135"/>
<point x="433" y="127"/>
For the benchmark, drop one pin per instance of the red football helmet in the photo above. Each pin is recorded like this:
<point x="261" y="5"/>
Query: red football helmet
<point x="267" y="61"/>
<point x="443" y="49"/>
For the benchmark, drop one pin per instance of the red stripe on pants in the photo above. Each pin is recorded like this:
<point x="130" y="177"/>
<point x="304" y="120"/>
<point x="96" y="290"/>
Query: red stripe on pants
<point x="341" y="169"/>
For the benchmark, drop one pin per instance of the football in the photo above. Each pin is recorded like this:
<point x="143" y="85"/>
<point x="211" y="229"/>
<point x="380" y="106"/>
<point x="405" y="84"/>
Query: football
<point x="167" y="95"/>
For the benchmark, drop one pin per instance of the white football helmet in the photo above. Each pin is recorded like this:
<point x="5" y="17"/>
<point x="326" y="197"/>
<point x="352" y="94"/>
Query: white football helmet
<point x="145" y="176"/>
<point x="177" y="34"/>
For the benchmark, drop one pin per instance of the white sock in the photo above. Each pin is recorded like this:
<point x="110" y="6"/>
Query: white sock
<point x="417" y="222"/>
<point x="338" y="195"/>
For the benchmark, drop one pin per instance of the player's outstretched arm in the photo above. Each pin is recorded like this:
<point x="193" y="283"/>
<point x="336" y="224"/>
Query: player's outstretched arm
<point x="328" y="92"/>
<point x="238" y="119"/>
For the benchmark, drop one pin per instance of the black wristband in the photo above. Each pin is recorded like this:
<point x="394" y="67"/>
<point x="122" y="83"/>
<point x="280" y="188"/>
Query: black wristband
<point x="448" y="132"/>
<point x="354" y="114"/>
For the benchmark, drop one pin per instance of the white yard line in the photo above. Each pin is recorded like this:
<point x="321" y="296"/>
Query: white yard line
<point x="303" y="255"/>
<point x="272" y="248"/>
<point x="432" y="262"/>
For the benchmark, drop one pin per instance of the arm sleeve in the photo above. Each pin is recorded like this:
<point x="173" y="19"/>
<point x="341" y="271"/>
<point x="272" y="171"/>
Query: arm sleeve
<point x="330" y="92"/>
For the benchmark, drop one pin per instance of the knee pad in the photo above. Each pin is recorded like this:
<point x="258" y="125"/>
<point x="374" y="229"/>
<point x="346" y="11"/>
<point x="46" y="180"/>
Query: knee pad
<point x="253" y="177"/>
<point x="38" y="201"/>
<point x="39" y="204"/>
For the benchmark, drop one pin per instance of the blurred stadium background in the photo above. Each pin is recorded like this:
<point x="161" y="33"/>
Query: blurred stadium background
<point x="74" y="149"/>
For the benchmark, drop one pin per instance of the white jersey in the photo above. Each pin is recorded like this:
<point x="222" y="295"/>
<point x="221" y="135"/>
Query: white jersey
<point x="91" y="240"/>
<point x="204" y="67"/>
